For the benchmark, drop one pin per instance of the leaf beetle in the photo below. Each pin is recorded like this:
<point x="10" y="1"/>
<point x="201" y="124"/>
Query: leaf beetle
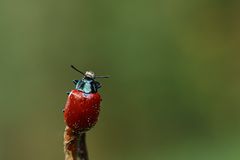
<point x="82" y="108"/>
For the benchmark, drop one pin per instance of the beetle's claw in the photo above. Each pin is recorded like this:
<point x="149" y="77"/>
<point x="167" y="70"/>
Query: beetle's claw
<point x="68" y="93"/>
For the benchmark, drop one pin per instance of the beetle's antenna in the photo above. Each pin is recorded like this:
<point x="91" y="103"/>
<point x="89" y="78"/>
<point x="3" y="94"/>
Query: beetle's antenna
<point x="77" y="70"/>
<point x="102" y="76"/>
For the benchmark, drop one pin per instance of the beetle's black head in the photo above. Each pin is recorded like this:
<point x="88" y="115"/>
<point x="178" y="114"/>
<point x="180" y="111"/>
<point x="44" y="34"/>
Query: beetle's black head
<point x="89" y="74"/>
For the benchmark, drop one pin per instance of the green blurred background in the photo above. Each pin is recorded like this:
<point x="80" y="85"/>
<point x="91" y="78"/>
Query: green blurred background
<point x="174" y="87"/>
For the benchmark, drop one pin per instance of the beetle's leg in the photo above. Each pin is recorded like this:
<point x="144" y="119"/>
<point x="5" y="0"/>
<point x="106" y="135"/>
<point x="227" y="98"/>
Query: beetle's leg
<point x="98" y="85"/>
<point x="75" y="81"/>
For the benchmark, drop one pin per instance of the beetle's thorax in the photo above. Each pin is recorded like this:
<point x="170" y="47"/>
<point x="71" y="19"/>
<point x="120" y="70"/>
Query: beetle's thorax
<point x="87" y="85"/>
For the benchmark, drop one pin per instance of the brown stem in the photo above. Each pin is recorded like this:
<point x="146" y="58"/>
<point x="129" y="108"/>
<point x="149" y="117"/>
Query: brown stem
<point x="75" y="145"/>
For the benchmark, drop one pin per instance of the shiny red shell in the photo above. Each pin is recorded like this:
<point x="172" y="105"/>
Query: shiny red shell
<point x="81" y="110"/>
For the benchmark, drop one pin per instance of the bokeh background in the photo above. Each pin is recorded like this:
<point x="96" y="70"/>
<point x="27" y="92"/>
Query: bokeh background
<point x="174" y="87"/>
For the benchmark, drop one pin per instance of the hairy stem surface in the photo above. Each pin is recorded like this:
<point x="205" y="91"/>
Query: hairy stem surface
<point x="75" y="145"/>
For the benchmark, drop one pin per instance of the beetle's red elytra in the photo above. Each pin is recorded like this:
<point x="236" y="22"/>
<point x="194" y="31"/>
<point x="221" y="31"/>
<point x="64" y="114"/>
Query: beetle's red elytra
<point x="82" y="110"/>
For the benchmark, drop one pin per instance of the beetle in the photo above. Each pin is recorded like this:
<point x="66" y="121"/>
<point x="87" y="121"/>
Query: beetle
<point x="82" y="108"/>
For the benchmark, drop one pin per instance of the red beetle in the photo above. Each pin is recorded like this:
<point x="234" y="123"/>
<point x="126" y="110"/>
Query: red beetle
<point x="83" y="103"/>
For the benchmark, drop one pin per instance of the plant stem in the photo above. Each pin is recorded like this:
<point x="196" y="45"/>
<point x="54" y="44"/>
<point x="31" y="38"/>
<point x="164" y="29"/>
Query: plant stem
<point x="75" y="145"/>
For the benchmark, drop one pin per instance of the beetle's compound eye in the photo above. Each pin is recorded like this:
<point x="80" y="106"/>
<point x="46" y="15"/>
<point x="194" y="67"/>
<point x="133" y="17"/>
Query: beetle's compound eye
<point x="90" y="74"/>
